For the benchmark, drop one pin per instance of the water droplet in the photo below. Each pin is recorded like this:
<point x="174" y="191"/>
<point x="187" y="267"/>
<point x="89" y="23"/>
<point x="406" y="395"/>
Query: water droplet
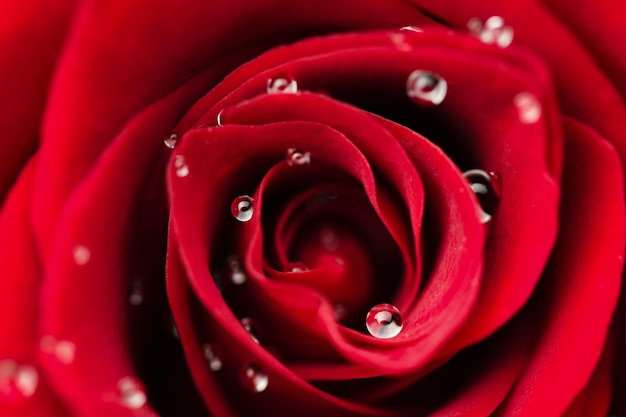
<point x="81" y="254"/>
<point x="170" y="142"/>
<point x="297" y="267"/>
<point x="182" y="170"/>
<point x="414" y="29"/>
<point x="528" y="106"/>
<point x="297" y="156"/>
<point x="255" y="379"/>
<point x="282" y="85"/>
<point x="235" y="270"/>
<point x="218" y="119"/>
<point x="136" y="295"/>
<point x="17" y="380"/>
<point x="131" y="392"/>
<point x="340" y="311"/>
<point x="63" y="350"/>
<point x="484" y="186"/>
<point x="251" y="327"/>
<point x="493" y="31"/>
<point x="215" y="363"/>
<point x="329" y="239"/>
<point x="426" y="87"/>
<point x="242" y="208"/>
<point x="383" y="321"/>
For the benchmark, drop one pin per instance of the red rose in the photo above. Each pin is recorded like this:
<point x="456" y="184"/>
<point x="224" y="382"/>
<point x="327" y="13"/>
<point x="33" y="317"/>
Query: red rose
<point x="381" y="208"/>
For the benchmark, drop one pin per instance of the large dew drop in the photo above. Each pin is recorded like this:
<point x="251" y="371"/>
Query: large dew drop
<point x="426" y="88"/>
<point x="242" y="208"/>
<point x="383" y="321"/>
<point x="484" y="186"/>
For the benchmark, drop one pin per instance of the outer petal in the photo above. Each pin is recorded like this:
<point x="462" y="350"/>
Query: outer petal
<point x="19" y="291"/>
<point x="31" y="34"/>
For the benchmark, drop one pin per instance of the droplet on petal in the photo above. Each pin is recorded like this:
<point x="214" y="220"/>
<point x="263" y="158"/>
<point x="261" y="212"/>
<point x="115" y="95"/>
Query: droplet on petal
<point x="255" y="379"/>
<point x="81" y="254"/>
<point x="136" y="294"/>
<point x="252" y="328"/>
<point x="280" y="85"/>
<point x="215" y="363"/>
<point x="329" y="239"/>
<point x="485" y="187"/>
<point x="132" y="394"/>
<point x="528" y="106"/>
<point x="171" y="141"/>
<point x="297" y="156"/>
<point x="414" y="29"/>
<point x="17" y="380"/>
<point x="492" y="31"/>
<point x="297" y="267"/>
<point x="182" y="170"/>
<point x="383" y="321"/>
<point x="340" y="311"/>
<point x="218" y="119"/>
<point x="242" y="208"/>
<point x="63" y="350"/>
<point x="426" y="88"/>
<point x="235" y="270"/>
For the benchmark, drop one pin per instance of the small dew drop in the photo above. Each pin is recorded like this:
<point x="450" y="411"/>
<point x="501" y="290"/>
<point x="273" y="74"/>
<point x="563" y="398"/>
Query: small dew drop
<point x="297" y="267"/>
<point x="171" y="141"/>
<point x="215" y="363"/>
<point x="136" y="294"/>
<point x="242" y="208"/>
<point x="414" y="29"/>
<point x="426" y="88"/>
<point x="132" y="394"/>
<point x="493" y="31"/>
<point x="17" y="380"/>
<point x="484" y="186"/>
<point x="383" y="321"/>
<point x="252" y="328"/>
<point x="235" y="270"/>
<point x="329" y="239"/>
<point x="218" y="119"/>
<point x="81" y="254"/>
<point x="182" y="170"/>
<point x="63" y="350"/>
<point x="280" y="85"/>
<point x="528" y="106"/>
<point x="297" y="156"/>
<point x="340" y="311"/>
<point x="255" y="379"/>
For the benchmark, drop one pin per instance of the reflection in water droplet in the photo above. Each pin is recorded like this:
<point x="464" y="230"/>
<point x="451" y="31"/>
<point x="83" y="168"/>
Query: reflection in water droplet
<point x="131" y="393"/>
<point x="297" y="156"/>
<point x="215" y="363"/>
<point x="528" y="106"/>
<point x="383" y="321"/>
<point x="282" y="85"/>
<point x="242" y="208"/>
<point x="484" y="186"/>
<point x="218" y="119"/>
<point x="255" y="379"/>
<point x="493" y="31"/>
<point x="426" y="87"/>
<point x="17" y="380"/>
<point x="81" y="254"/>
<point x="63" y="350"/>
<point x="182" y="170"/>
<point x="235" y="270"/>
<point x="170" y="142"/>
<point x="251" y="327"/>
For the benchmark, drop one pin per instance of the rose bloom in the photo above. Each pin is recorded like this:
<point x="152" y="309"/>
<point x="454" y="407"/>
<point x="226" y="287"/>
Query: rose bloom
<point x="327" y="208"/>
